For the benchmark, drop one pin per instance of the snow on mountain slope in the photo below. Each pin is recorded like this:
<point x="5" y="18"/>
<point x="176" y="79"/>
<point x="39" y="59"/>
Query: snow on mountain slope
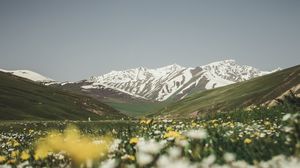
<point x="28" y="75"/>
<point x="145" y="83"/>
<point x="174" y="80"/>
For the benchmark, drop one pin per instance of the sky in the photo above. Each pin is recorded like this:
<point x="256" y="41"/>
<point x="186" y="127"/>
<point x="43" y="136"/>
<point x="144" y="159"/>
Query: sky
<point x="73" y="40"/>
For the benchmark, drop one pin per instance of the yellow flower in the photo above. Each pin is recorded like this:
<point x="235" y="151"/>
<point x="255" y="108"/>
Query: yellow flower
<point x="194" y="124"/>
<point x="128" y="157"/>
<point x="131" y="157"/>
<point x="13" y="142"/>
<point x="16" y="143"/>
<point x="2" y="159"/>
<point x="146" y="121"/>
<point x="42" y="151"/>
<point x="79" y="147"/>
<point x="14" y="154"/>
<point x="247" y="141"/>
<point x="172" y="134"/>
<point x="169" y="129"/>
<point x="25" y="155"/>
<point x="134" y="140"/>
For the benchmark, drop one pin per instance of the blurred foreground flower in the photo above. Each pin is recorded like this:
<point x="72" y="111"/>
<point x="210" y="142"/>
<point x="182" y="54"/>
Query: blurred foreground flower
<point x="197" y="134"/>
<point x="2" y="159"/>
<point x="79" y="147"/>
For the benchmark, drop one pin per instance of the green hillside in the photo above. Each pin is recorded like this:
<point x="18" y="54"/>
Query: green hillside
<point x="21" y="99"/>
<point x="137" y="109"/>
<point x="239" y="95"/>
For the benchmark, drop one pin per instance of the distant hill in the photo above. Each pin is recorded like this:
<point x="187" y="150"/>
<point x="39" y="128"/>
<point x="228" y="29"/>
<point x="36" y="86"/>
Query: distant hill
<point x="257" y="91"/>
<point x="34" y="76"/>
<point x="22" y="99"/>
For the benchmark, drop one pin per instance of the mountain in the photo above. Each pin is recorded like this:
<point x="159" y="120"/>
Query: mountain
<point x="28" y="75"/>
<point x="22" y="99"/>
<point x="173" y="81"/>
<point x="258" y="91"/>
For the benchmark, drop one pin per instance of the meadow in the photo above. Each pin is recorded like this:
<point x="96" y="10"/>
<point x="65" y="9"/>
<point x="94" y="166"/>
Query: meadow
<point x="259" y="137"/>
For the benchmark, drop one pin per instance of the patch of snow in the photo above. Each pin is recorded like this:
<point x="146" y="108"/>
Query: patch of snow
<point x="28" y="75"/>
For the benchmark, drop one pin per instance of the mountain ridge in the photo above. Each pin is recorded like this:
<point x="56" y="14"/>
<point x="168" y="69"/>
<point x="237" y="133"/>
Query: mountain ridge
<point x="163" y="83"/>
<point x="174" y="80"/>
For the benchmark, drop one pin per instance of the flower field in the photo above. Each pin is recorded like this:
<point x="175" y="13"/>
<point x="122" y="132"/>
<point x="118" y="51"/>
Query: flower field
<point x="261" y="137"/>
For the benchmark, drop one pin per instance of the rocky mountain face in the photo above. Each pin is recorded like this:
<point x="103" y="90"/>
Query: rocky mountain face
<point x="172" y="81"/>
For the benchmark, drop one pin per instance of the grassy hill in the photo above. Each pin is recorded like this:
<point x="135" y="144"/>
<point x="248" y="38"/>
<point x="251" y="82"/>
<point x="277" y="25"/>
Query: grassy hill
<point x="21" y="99"/>
<point x="125" y="103"/>
<point x="239" y="95"/>
<point x="137" y="109"/>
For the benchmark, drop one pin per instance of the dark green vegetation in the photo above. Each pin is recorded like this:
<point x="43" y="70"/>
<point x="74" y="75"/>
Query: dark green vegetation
<point x="240" y="95"/>
<point x="21" y="99"/>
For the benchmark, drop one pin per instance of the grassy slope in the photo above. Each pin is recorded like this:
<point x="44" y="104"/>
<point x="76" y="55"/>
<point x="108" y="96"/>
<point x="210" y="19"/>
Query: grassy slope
<point x="138" y="109"/>
<point x="21" y="99"/>
<point x="255" y="91"/>
<point x="126" y="104"/>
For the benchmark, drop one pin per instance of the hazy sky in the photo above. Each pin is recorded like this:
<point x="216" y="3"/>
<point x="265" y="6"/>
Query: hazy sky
<point x="72" y="40"/>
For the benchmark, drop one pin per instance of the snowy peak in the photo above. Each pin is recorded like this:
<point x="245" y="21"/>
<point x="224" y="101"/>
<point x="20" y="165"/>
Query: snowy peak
<point x="230" y="70"/>
<point x="28" y="75"/>
<point x="174" y="80"/>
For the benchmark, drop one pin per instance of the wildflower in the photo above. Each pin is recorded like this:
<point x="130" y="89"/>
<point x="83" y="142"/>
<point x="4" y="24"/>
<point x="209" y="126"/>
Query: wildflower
<point x="208" y="161"/>
<point x="110" y="163"/>
<point x="41" y="152"/>
<point x="247" y="141"/>
<point x="157" y="132"/>
<point x="165" y="161"/>
<point x="150" y="146"/>
<point x="2" y="159"/>
<point x="229" y="157"/>
<point x="14" y="154"/>
<point x="128" y="157"/>
<point x="143" y="158"/>
<point x="172" y="134"/>
<point x="286" y="117"/>
<point x="146" y="121"/>
<point x="16" y="143"/>
<point x="80" y="148"/>
<point x="174" y="152"/>
<point x="134" y="140"/>
<point x="197" y="134"/>
<point x="25" y="155"/>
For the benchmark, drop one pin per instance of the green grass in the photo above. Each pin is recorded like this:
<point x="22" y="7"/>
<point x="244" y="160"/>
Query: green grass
<point x="239" y="95"/>
<point x="21" y="99"/>
<point x="139" y="109"/>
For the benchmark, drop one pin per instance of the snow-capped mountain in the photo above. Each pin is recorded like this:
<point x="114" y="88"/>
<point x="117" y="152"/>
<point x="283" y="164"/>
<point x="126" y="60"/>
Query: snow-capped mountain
<point x="173" y="80"/>
<point x="28" y="75"/>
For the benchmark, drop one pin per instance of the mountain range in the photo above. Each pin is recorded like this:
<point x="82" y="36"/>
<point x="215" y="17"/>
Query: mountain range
<point x="169" y="82"/>
<point x="171" y="90"/>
